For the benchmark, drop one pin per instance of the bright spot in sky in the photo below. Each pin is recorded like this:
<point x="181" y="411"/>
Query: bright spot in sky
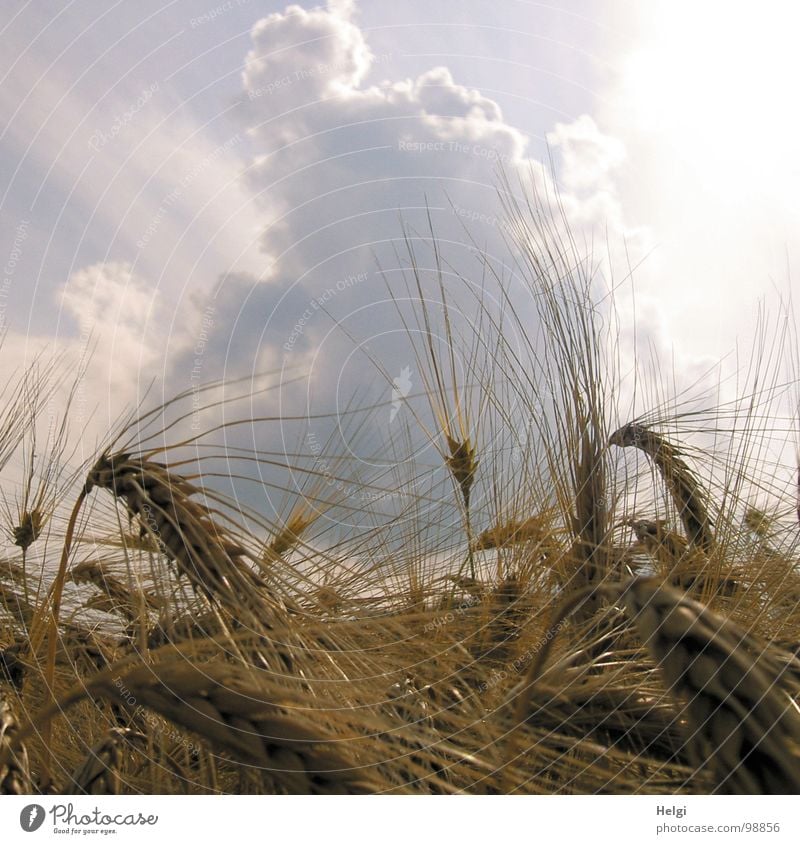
<point x="719" y="82"/>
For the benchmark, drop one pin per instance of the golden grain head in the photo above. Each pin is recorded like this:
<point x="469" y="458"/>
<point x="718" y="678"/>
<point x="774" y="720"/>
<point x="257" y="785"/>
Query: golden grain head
<point x="512" y="532"/>
<point x="462" y="463"/>
<point x="743" y="723"/>
<point x="29" y="529"/>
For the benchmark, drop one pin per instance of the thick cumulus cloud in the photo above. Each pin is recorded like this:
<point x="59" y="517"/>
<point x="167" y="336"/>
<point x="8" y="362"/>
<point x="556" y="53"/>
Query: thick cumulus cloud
<point x="349" y="170"/>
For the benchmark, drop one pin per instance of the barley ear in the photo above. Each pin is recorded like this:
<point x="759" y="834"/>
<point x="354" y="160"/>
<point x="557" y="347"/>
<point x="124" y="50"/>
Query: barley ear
<point x="744" y="725"/>
<point x="686" y="491"/>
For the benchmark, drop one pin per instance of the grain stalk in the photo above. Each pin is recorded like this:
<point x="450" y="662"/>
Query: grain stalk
<point x="560" y="280"/>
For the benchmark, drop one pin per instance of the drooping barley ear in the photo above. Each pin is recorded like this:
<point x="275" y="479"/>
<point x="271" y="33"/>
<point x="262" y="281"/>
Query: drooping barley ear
<point x="686" y="567"/>
<point x="201" y="549"/>
<point x="15" y="775"/>
<point x="655" y="537"/>
<point x="190" y="625"/>
<point x="744" y="726"/>
<point x="228" y="709"/>
<point x="668" y="549"/>
<point x="686" y="491"/>
<point x="100" y="771"/>
<point x="117" y="596"/>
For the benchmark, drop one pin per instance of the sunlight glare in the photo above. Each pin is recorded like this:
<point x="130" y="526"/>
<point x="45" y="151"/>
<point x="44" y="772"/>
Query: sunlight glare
<point x="718" y="82"/>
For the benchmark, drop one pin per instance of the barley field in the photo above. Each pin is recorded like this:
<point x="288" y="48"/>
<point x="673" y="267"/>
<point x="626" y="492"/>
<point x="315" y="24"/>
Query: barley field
<point x="564" y="597"/>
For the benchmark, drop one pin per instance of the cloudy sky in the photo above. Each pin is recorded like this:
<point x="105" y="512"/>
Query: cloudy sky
<point x="199" y="189"/>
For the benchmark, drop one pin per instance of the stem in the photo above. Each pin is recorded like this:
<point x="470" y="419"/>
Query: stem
<point x="25" y="587"/>
<point x="48" y="614"/>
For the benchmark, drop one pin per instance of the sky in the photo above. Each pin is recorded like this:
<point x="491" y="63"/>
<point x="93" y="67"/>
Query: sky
<point x="196" y="190"/>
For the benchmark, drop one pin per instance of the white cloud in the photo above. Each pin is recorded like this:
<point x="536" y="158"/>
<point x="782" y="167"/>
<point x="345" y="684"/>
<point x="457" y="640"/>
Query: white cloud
<point x="318" y="47"/>
<point x="110" y="336"/>
<point x="342" y="8"/>
<point x="111" y="297"/>
<point x="340" y="157"/>
<point x="118" y="319"/>
<point x="588" y="157"/>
